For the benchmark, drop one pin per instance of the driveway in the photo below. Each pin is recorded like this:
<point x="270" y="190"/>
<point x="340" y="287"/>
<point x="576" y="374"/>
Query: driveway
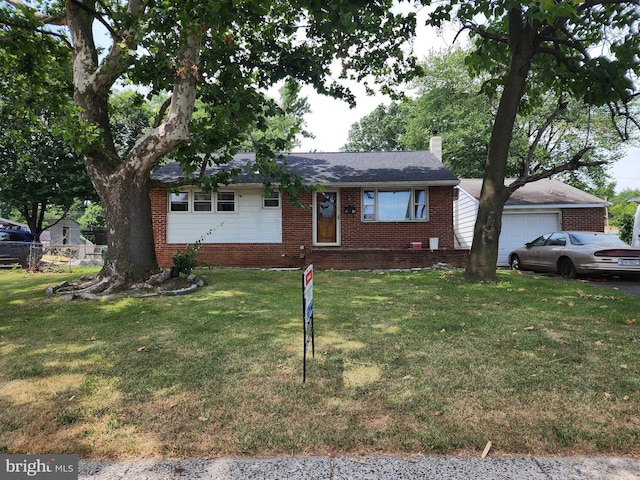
<point x="626" y="285"/>
<point x="631" y="287"/>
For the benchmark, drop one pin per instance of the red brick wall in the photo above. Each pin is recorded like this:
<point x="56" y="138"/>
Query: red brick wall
<point x="354" y="259"/>
<point x="362" y="244"/>
<point x="584" y="219"/>
<point x="159" y="218"/>
<point x="358" y="234"/>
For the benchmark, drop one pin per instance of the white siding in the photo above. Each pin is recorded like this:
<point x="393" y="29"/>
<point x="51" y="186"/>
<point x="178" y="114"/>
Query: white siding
<point x="465" y="211"/>
<point x="250" y="224"/>
<point x="66" y="232"/>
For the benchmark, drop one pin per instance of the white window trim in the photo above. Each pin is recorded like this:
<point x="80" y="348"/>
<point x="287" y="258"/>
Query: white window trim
<point x="192" y="196"/>
<point x="214" y="203"/>
<point x="277" y="195"/>
<point x="235" y="203"/>
<point x="395" y="189"/>
<point x="170" y="203"/>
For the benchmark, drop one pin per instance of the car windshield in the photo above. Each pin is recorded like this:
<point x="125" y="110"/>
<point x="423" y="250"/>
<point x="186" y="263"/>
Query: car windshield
<point x="587" y="238"/>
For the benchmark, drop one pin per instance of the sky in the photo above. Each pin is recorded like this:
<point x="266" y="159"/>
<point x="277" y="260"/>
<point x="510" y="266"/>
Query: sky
<point x="330" y="120"/>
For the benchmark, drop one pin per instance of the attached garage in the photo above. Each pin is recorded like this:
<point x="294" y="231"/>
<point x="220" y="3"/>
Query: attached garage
<point x="537" y="208"/>
<point x="520" y="227"/>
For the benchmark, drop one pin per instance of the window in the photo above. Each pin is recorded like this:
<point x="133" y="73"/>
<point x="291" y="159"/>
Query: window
<point x="538" y="242"/>
<point x="201" y="202"/>
<point x="179" y="202"/>
<point x="226" y="202"/>
<point x="557" y="240"/>
<point x="395" y="205"/>
<point x="419" y="204"/>
<point x="271" y="200"/>
<point x="192" y="201"/>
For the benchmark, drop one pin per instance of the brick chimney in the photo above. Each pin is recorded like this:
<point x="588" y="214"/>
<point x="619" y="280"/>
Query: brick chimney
<point x="435" y="146"/>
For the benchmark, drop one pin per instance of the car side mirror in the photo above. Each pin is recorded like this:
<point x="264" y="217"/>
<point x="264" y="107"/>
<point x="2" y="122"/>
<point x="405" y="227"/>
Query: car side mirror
<point x="528" y="245"/>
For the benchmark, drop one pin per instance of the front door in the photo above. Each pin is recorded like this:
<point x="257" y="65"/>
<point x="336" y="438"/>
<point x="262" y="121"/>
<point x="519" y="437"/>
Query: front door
<point x="326" y="216"/>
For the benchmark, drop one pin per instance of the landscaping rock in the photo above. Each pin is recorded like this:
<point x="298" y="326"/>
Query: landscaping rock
<point x="159" y="284"/>
<point x="158" y="278"/>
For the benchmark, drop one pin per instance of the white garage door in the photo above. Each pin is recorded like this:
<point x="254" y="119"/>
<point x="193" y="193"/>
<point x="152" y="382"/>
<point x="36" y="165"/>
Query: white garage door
<point x="520" y="228"/>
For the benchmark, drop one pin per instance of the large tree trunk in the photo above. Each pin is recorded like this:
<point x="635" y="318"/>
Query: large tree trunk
<point x="494" y="194"/>
<point x="131" y="256"/>
<point x="123" y="183"/>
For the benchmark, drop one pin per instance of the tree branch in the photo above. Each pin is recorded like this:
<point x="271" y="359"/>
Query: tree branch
<point x="97" y="16"/>
<point x="571" y="165"/>
<point x="58" y="19"/>
<point x="174" y="131"/>
<point x="161" y="112"/>
<point x="536" y="141"/>
<point x="481" y="32"/>
<point x="597" y="3"/>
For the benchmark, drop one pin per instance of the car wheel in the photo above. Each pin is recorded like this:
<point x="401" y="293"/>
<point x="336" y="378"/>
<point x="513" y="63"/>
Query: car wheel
<point x="567" y="270"/>
<point x="515" y="263"/>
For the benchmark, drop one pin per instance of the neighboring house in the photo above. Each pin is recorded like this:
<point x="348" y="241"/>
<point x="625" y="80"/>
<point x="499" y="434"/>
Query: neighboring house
<point x="370" y="209"/>
<point x="539" y="207"/>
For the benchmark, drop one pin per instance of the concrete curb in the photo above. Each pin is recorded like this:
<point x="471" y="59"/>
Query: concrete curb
<point x="368" y="468"/>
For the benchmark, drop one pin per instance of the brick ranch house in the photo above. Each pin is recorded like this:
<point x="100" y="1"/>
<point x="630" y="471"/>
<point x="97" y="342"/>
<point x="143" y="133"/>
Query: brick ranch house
<point x="373" y="210"/>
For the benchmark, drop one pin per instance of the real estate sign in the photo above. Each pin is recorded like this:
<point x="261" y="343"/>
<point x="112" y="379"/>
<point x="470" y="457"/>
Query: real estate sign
<point x="307" y="317"/>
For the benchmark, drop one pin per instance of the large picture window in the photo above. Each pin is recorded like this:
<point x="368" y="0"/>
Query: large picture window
<point x="401" y="205"/>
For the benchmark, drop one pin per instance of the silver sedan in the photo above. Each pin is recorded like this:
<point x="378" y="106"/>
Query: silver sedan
<point x="577" y="253"/>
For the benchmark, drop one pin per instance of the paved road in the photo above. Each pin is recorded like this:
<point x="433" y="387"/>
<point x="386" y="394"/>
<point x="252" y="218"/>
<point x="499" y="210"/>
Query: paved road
<point x="370" y="468"/>
<point x="620" y="284"/>
<point x="625" y="285"/>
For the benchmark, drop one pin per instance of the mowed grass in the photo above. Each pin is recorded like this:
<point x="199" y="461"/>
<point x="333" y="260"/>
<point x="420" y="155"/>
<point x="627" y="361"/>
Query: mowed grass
<point x="405" y="362"/>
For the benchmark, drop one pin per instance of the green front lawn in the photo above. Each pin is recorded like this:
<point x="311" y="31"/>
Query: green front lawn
<point x="407" y="362"/>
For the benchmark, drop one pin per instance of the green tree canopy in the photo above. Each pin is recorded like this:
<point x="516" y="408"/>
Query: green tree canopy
<point x="450" y="102"/>
<point x="40" y="171"/>
<point x="383" y="129"/>
<point x="224" y="54"/>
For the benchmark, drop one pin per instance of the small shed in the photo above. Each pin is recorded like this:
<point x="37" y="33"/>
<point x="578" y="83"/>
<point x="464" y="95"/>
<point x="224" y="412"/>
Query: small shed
<point x="66" y="232"/>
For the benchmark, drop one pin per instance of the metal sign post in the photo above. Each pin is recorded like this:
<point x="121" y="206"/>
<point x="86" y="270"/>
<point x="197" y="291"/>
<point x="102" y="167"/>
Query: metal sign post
<point x="307" y="315"/>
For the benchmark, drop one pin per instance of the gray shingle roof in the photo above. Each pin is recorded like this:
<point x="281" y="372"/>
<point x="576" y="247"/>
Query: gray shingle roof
<point x="540" y="193"/>
<point x="342" y="168"/>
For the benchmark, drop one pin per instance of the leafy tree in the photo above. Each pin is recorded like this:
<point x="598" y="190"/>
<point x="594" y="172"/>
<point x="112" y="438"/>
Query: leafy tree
<point x="92" y="217"/>
<point x="382" y="130"/>
<point x="626" y="221"/>
<point x="282" y="122"/>
<point x="587" y="51"/>
<point x="223" y="54"/>
<point x="40" y="173"/>
<point x="131" y="116"/>
<point x="450" y="102"/>
<point x="622" y="212"/>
